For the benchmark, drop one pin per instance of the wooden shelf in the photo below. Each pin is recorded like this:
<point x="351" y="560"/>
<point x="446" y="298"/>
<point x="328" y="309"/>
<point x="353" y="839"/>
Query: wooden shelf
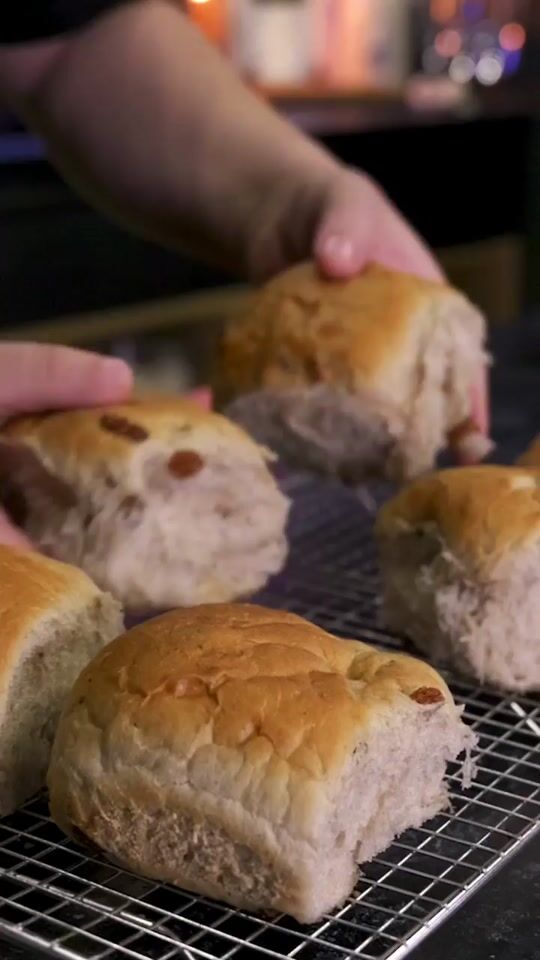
<point x="326" y="94"/>
<point x="142" y="318"/>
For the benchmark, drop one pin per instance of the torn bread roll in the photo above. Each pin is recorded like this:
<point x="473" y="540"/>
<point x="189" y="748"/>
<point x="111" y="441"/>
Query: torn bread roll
<point x="531" y="457"/>
<point x="459" y="553"/>
<point x="53" y="620"/>
<point x="161" y="502"/>
<point x="247" y="755"/>
<point x="372" y="376"/>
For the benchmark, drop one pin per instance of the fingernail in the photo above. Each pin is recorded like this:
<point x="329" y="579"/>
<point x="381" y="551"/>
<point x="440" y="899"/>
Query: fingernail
<point x="11" y="537"/>
<point x="115" y="375"/>
<point x="339" y="249"/>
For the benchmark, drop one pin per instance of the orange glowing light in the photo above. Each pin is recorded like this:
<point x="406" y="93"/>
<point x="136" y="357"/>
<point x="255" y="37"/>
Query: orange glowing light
<point x="211" y="16"/>
<point x="448" y="43"/>
<point x="512" y="37"/>
<point x="443" y="10"/>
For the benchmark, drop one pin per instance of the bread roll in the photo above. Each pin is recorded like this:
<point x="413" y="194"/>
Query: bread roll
<point x="367" y="377"/>
<point x="460" y="558"/>
<point x="249" y="756"/>
<point x="159" y="501"/>
<point x="53" y="620"/>
<point x="531" y="457"/>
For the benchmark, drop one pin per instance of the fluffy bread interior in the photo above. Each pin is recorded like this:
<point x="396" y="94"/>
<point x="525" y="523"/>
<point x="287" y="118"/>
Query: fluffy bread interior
<point x="60" y="647"/>
<point x="156" y="540"/>
<point x="488" y="629"/>
<point x="148" y="818"/>
<point x="357" y="430"/>
<point x="320" y="428"/>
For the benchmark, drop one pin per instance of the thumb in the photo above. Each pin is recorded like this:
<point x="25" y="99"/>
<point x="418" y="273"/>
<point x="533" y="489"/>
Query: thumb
<point x="344" y="239"/>
<point x="202" y="396"/>
<point x="10" y="535"/>
<point x="360" y="226"/>
<point x="39" y="377"/>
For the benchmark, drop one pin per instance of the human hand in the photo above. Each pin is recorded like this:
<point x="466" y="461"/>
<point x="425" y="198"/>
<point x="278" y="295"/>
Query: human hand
<point x="358" y="224"/>
<point x="34" y="378"/>
<point x="343" y="220"/>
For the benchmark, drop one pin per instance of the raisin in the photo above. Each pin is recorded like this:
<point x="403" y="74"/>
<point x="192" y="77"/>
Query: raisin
<point x="312" y="369"/>
<point x="123" y="428"/>
<point x="427" y="695"/>
<point x="130" y="504"/>
<point x="185" y="463"/>
<point x="462" y="430"/>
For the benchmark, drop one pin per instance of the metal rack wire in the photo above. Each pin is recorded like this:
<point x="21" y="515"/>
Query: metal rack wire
<point x="69" y="905"/>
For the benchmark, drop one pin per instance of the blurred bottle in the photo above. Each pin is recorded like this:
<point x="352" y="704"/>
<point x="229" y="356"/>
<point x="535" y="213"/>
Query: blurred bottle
<point x="362" y="43"/>
<point x="272" y="40"/>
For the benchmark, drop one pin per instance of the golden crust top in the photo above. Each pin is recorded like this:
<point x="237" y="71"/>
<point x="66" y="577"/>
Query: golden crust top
<point x="482" y="514"/>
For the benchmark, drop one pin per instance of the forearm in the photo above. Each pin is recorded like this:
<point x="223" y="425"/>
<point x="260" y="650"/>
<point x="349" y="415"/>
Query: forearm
<point x="154" y="126"/>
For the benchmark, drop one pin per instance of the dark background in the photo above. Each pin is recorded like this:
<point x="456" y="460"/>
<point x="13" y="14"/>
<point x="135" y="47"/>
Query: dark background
<point x="462" y="180"/>
<point x="469" y="179"/>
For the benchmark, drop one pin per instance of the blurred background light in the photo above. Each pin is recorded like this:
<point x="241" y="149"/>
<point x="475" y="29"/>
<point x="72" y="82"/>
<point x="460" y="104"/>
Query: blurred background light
<point x="490" y="68"/>
<point x="462" y="69"/>
<point x="512" y="37"/>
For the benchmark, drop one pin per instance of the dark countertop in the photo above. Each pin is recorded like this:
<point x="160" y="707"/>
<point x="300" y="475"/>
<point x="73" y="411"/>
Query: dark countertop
<point x="499" y="922"/>
<point x="10" y="952"/>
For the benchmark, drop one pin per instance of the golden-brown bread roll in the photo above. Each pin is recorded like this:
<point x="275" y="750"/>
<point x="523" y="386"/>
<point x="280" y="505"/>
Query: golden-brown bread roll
<point x="369" y="376"/>
<point x="53" y="620"/>
<point x="531" y="457"/>
<point x="247" y="755"/>
<point x="161" y="502"/>
<point x="460" y="555"/>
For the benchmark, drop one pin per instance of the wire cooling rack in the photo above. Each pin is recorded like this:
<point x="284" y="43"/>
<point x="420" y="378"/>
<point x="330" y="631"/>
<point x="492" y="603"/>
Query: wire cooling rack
<point x="66" y="904"/>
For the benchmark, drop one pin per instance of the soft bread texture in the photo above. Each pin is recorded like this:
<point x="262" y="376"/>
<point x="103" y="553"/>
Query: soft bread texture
<point x="372" y="376"/>
<point x="161" y="502"/>
<point x="249" y="756"/>
<point x="531" y="457"/>
<point x="53" y="620"/>
<point x="460" y="558"/>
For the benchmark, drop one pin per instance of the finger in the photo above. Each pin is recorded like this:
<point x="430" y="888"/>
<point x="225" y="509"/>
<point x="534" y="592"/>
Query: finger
<point x="342" y="241"/>
<point x="361" y="226"/>
<point x="338" y="256"/>
<point x="11" y="535"/>
<point x="37" y="377"/>
<point x="469" y="440"/>
<point x="473" y="448"/>
<point x="399" y="247"/>
<point x="346" y="249"/>
<point x="480" y="402"/>
<point x="202" y="396"/>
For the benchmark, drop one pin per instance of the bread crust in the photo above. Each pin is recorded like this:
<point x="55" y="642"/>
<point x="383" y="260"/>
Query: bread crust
<point x="531" y="457"/>
<point x="483" y="514"/>
<point x="74" y="444"/>
<point x="160" y="502"/>
<point x="233" y="725"/>
<point x="257" y="676"/>
<point x="32" y="587"/>
<point x="303" y="329"/>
